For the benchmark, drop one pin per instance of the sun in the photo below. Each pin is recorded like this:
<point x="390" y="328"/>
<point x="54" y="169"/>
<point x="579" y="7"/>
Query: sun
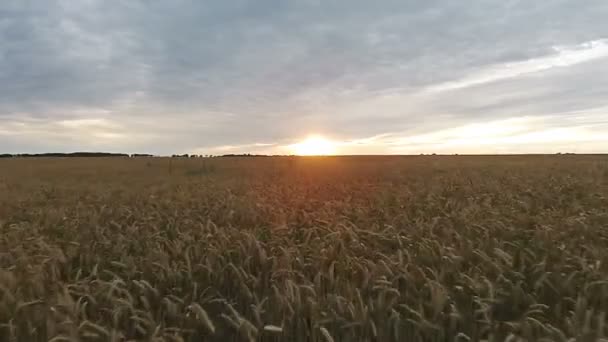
<point x="314" y="145"/>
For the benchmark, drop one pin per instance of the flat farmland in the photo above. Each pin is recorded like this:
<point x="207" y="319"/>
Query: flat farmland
<point x="399" y="248"/>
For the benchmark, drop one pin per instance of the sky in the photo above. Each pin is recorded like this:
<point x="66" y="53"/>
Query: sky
<point x="258" y="76"/>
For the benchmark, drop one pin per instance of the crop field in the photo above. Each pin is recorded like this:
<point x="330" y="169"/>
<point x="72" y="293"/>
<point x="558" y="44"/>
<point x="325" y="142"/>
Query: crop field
<point x="413" y="248"/>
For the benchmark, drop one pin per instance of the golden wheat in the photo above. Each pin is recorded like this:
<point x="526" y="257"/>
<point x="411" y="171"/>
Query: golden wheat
<point x="425" y="248"/>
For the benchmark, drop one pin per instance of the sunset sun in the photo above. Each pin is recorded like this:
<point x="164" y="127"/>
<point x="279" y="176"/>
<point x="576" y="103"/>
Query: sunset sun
<point x="314" y="146"/>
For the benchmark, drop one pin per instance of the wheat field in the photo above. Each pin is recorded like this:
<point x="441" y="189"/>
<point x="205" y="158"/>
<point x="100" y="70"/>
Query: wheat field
<point x="417" y="248"/>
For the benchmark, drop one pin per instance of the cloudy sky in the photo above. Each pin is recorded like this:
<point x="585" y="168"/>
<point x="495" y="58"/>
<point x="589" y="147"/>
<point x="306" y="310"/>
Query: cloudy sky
<point x="403" y="76"/>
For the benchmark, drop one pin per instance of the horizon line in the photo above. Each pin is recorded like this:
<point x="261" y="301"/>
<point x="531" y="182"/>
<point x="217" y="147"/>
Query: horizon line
<point x="98" y="154"/>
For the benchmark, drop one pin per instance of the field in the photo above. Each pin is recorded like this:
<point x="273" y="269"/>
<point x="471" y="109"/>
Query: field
<point x="419" y="248"/>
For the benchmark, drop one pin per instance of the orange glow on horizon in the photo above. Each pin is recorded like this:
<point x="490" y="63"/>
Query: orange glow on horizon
<point x="314" y="145"/>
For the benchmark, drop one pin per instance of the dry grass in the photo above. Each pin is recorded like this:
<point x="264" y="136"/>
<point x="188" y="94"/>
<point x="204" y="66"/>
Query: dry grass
<point x="304" y="249"/>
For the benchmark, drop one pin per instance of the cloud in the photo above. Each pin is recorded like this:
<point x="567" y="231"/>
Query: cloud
<point x="515" y="135"/>
<point x="564" y="57"/>
<point x="87" y="133"/>
<point x="88" y="124"/>
<point x="255" y="148"/>
<point x="173" y="76"/>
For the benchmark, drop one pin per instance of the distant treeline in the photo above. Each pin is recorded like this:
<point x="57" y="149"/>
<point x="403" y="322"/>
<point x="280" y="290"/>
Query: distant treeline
<point x="74" y="154"/>
<point x="136" y="155"/>
<point x="124" y="155"/>
<point x="212" y="156"/>
<point x="245" y="155"/>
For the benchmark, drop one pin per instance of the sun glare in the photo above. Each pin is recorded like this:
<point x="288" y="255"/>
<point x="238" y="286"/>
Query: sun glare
<point x="314" y="146"/>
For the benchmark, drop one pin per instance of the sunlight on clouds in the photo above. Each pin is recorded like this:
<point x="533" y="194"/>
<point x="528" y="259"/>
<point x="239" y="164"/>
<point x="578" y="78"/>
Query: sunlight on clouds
<point x="529" y="134"/>
<point x="565" y="56"/>
<point x="108" y="135"/>
<point x="92" y="129"/>
<point x="317" y="145"/>
<point x="89" y="131"/>
<point x="88" y="123"/>
<point x="365" y="146"/>
<point x="512" y="135"/>
<point x="255" y="148"/>
<point x="471" y="132"/>
<point x="314" y="145"/>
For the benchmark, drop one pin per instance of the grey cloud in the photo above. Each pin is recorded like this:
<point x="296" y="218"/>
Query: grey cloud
<point x="191" y="73"/>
